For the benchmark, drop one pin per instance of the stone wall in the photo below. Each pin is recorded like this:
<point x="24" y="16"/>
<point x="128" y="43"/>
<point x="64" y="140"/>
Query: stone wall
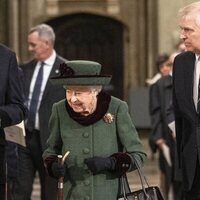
<point x="131" y="13"/>
<point x="150" y="27"/>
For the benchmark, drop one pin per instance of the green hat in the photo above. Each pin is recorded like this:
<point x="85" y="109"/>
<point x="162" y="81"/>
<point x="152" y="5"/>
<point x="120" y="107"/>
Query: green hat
<point x="80" y="72"/>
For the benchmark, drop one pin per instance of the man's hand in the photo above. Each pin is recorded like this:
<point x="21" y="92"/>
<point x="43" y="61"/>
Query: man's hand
<point x="160" y="143"/>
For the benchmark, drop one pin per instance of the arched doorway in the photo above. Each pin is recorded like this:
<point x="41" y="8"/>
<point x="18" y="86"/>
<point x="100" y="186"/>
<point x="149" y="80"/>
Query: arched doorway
<point x="92" y="37"/>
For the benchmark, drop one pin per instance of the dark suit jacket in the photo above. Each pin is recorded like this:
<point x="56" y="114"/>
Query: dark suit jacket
<point x="186" y="117"/>
<point x="160" y="99"/>
<point x="12" y="109"/>
<point x="52" y="94"/>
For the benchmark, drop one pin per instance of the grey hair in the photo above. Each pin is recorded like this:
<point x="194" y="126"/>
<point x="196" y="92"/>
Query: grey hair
<point x="97" y="88"/>
<point x="191" y="11"/>
<point x="44" y="31"/>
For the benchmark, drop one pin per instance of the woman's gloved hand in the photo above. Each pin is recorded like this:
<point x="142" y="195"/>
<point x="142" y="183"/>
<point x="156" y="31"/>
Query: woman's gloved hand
<point x="58" y="170"/>
<point x="123" y="162"/>
<point x="99" y="164"/>
<point x="118" y="163"/>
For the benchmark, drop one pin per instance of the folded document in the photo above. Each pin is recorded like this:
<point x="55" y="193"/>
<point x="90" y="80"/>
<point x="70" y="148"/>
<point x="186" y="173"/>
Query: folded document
<point x="16" y="133"/>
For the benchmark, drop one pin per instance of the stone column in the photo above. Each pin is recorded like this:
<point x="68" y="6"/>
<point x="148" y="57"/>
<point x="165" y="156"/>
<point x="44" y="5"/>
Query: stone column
<point x="13" y="25"/>
<point x="3" y="22"/>
<point x="24" y="23"/>
<point x="152" y="36"/>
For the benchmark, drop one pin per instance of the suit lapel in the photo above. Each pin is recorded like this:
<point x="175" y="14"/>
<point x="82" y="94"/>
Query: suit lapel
<point x="54" y="72"/>
<point x="189" y="79"/>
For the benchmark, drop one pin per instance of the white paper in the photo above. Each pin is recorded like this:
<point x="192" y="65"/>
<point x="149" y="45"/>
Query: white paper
<point x="16" y="133"/>
<point x="166" y="153"/>
<point x="172" y="126"/>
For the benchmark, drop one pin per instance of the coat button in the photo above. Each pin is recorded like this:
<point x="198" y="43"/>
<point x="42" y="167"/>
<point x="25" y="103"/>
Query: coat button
<point x="86" y="150"/>
<point x="86" y="135"/>
<point x="87" y="182"/>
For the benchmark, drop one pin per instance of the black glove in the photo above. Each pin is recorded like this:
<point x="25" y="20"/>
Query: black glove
<point x="99" y="164"/>
<point x="58" y="170"/>
<point x="123" y="162"/>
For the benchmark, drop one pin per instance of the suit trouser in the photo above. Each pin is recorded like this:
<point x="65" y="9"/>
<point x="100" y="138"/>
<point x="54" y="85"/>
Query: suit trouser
<point x="30" y="161"/>
<point x="194" y="193"/>
<point x="2" y="191"/>
<point x="177" y="190"/>
<point x="2" y="172"/>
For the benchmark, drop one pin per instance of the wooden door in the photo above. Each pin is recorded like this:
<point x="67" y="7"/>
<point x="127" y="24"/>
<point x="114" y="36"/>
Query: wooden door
<point x="92" y="37"/>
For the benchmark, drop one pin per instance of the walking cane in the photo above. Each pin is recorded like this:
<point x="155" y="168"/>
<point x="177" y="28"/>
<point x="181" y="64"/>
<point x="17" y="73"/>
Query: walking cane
<point x="6" y="185"/>
<point x="61" y="160"/>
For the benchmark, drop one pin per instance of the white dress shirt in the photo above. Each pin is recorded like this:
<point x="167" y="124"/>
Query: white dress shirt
<point x="48" y="64"/>
<point x="196" y="80"/>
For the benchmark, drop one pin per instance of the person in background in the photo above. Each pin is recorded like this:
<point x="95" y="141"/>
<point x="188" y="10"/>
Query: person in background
<point x="162" y="68"/>
<point x="40" y="95"/>
<point x="163" y="135"/>
<point x="160" y="132"/>
<point x="12" y="108"/>
<point x="96" y="129"/>
<point x="186" y="93"/>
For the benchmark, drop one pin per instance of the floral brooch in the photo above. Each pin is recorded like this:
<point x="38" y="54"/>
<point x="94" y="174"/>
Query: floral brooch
<point x="108" y="118"/>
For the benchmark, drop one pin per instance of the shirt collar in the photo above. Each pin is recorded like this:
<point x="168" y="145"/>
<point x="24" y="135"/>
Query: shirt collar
<point x="50" y="61"/>
<point x="197" y="56"/>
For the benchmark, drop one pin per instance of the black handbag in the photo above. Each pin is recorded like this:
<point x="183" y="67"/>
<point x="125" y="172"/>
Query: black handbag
<point x="145" y="193"/>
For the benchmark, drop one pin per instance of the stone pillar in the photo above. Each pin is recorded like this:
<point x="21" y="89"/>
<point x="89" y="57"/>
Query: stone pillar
<point x="3" y="22"/>
<point x="142" y="41"/>
<point x="24" y="22"/>
<point x="152" y="36"/>
<point x="13" y="25"/>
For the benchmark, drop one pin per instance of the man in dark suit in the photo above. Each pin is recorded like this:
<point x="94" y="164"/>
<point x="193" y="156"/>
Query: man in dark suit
<point x="12" y="109"/>
<point x="185" y="100"/>
<point x="41" y="44"/>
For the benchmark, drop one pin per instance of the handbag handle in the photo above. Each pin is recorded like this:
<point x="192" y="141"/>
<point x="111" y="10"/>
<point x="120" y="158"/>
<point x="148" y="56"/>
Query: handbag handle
<point x="143" y="180"/>
<point x="124" y="182"/>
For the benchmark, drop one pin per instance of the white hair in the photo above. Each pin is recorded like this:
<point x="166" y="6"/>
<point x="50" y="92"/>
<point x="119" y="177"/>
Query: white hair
<point x="97" y="88"/>
<point x="191" y="11"/>
<point x="44" y="31"/>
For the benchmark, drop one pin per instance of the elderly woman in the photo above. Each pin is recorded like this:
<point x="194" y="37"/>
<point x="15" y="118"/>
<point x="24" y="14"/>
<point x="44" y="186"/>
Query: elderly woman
<point x="97" y="130"/>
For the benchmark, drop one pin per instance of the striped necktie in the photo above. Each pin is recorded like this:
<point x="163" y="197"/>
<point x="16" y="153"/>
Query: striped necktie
<point x="35" y="99"/>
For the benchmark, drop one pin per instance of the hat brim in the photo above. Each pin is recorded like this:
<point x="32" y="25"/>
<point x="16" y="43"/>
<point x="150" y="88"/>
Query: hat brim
<point x="88" y="80"/>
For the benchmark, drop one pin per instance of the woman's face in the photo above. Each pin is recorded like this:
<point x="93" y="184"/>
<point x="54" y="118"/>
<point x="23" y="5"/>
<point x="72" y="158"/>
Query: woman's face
<point x="166" y="68"/>
<point x="82" y="99"/>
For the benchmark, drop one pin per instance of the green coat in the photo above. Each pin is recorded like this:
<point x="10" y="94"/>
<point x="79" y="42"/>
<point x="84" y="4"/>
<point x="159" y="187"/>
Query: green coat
<point x="98" y="139"/>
